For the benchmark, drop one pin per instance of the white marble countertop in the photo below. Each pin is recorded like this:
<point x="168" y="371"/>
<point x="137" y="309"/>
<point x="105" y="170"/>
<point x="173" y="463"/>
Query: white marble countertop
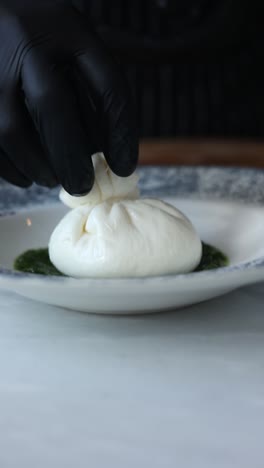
<point x="182" y="389"/>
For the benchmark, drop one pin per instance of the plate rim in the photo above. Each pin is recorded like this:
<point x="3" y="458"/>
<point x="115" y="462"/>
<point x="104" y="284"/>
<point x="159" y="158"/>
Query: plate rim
<point x="255" y="264"/>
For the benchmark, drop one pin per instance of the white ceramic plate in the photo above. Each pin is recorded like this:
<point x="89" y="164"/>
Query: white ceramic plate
<point x="225" y="205"/>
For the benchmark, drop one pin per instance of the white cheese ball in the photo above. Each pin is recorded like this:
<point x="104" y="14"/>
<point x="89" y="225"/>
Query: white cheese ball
<point x="125" y="238"/>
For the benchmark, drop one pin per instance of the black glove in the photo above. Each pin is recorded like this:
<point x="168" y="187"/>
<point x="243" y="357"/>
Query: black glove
<point x="62" y="98"/>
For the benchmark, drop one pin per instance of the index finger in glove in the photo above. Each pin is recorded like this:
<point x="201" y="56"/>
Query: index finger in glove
<point x="112" y="97"/>
<point x="54" y="109"/>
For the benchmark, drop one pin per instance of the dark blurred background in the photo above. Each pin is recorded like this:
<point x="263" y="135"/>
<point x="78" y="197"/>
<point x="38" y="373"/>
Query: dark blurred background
<point x="195" y="65"/>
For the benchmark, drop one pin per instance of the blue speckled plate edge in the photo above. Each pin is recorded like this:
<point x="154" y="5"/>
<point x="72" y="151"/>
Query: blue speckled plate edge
<point x="219" y="183"/>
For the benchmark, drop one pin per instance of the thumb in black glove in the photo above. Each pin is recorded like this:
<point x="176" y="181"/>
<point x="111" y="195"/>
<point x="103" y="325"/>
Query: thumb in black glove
<point x="62" y="98"/>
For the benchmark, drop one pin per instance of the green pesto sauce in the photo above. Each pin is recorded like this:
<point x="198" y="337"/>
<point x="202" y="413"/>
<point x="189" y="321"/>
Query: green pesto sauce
<point x="37" y="261"/>
<point x="211" y="258"/>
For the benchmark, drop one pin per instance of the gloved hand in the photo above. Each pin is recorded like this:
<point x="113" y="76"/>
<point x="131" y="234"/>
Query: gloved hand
<point x="62" y="98"/>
